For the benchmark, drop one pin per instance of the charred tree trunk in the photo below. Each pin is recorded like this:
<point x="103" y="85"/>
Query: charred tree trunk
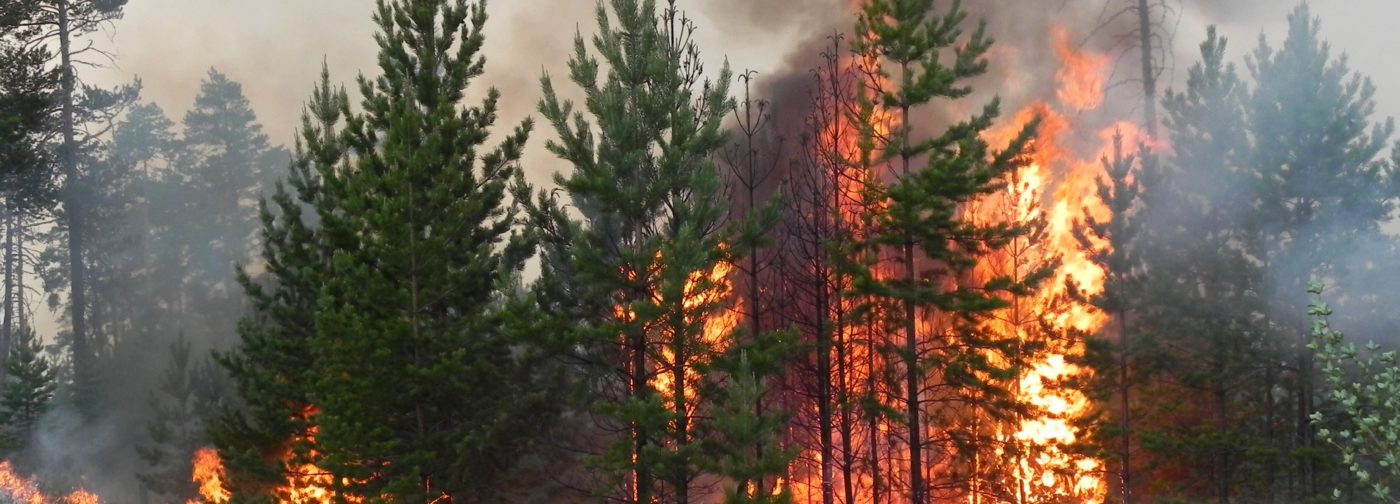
<point x="824" y="395"/>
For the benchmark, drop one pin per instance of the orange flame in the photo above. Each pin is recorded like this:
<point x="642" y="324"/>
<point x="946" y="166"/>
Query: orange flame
<point x="24" y="490"/>
<point x="305" y="484"/>
<point x="1081" y="78"/>
<point x="1043" y="469"/>
<point x="208" y="475"/>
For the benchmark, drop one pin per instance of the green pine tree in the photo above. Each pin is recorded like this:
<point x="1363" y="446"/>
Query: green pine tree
<point x="637" y="269"/>
<point x="1197" y="332"/>
<point x="1120" y="190"/>
<point x="745" y="447"/>
<point x="57" y="25"/>
<point x="175" y="431"/>
<point x="28" y="389"/>
<point x="1321" y="188"/>
<point x="417" y="379"/>
<point x="222" y="158"/>
<point x="919" y="225"/>
<point x="272" y="368"/>
<point x="27" y="92"/>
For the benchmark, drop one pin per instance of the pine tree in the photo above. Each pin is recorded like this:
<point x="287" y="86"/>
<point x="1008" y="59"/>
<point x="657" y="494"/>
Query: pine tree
<point x="135" y="281"/>
<point x="745" y="443"/>
<point x="1120" y="190"/>
<point x="28" y="389"/>
<point x="1196" y="336"/>
<point x="27" y="90"/>
<point x="175" y="431"/>
<point x="272" y="367"/>
<point x="223" y="157"/>
<point x="60" y="23"/>
<point x="918" y="224"/>
<point x="1321" y="189"/>
<point x="416" y="380"/>
<point x="643" y="271"/>
<point x="126" y="307"/>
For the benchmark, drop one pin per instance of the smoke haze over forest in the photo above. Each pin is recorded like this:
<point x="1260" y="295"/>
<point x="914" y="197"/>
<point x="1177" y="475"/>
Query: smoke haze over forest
<point x="336" y="289"/>
<point x="275" y="47"/>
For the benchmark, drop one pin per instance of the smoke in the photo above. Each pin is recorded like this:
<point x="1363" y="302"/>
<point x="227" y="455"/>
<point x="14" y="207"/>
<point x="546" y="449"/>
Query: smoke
<point x="72" y="453"/>
<point x="276" y="48"/>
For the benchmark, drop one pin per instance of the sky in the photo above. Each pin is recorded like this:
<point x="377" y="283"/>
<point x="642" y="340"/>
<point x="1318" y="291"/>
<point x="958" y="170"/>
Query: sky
<point x="275" y="48"/>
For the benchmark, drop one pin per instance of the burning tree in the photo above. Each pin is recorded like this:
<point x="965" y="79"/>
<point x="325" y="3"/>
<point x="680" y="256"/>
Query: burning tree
<point x="917" y="250"/>
<point x="643" y="269"/>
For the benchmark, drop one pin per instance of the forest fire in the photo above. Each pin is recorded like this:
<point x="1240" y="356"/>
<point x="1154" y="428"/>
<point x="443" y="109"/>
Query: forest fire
<point x="208" y="476"/>
<point x="1034" y="459"/>
<point x="715" y="333"/>
<point x="304" y="484"/>
<point x="22" y="490"/>
<point x="1053" y="322"/>
<point x="699" y="291"/>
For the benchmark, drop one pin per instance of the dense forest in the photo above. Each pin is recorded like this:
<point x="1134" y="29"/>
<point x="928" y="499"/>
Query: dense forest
<point x="948" y="255"/>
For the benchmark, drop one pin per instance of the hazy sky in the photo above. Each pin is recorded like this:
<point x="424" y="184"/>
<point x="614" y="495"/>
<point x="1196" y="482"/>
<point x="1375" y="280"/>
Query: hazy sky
<point x="275" y="47"/>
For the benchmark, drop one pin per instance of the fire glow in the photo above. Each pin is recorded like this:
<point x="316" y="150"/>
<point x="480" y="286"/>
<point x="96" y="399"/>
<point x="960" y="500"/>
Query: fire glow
<point x="1035" y="460"/>
<point x="24" y="490"/>
<point x="303" y="484"/>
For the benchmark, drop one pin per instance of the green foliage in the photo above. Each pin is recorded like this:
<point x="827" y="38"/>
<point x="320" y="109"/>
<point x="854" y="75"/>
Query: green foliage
<point x="634" y="267"/>
<point x="918" y="221"/>
<point x="1365" y="383"/>
<point x="26" y="95"/>
<point x="1265" y="189"/>
<point x="745" y="447"/>
<point x="186" y="397"/>
<point x="1198" y="334"/>
<point x="223" y="156"/>
<point x="1321" y="186"/>
<point x="28" y="389"/>
<point x="415" y="378"/>
<point x="387" y="319"/>
<point x="272" y="367"/>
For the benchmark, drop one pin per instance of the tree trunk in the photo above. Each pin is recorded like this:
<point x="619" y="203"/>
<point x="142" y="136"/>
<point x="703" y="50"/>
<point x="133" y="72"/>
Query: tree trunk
<point x="911" y="349"/>
<point x="824" y="393"/>
<point x="73" y="212"/>
<point x="7" y="330"/>
<point x="1125" y="454"/>
<point x="641" y="478"/>
<point x="1149" y="77"/>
